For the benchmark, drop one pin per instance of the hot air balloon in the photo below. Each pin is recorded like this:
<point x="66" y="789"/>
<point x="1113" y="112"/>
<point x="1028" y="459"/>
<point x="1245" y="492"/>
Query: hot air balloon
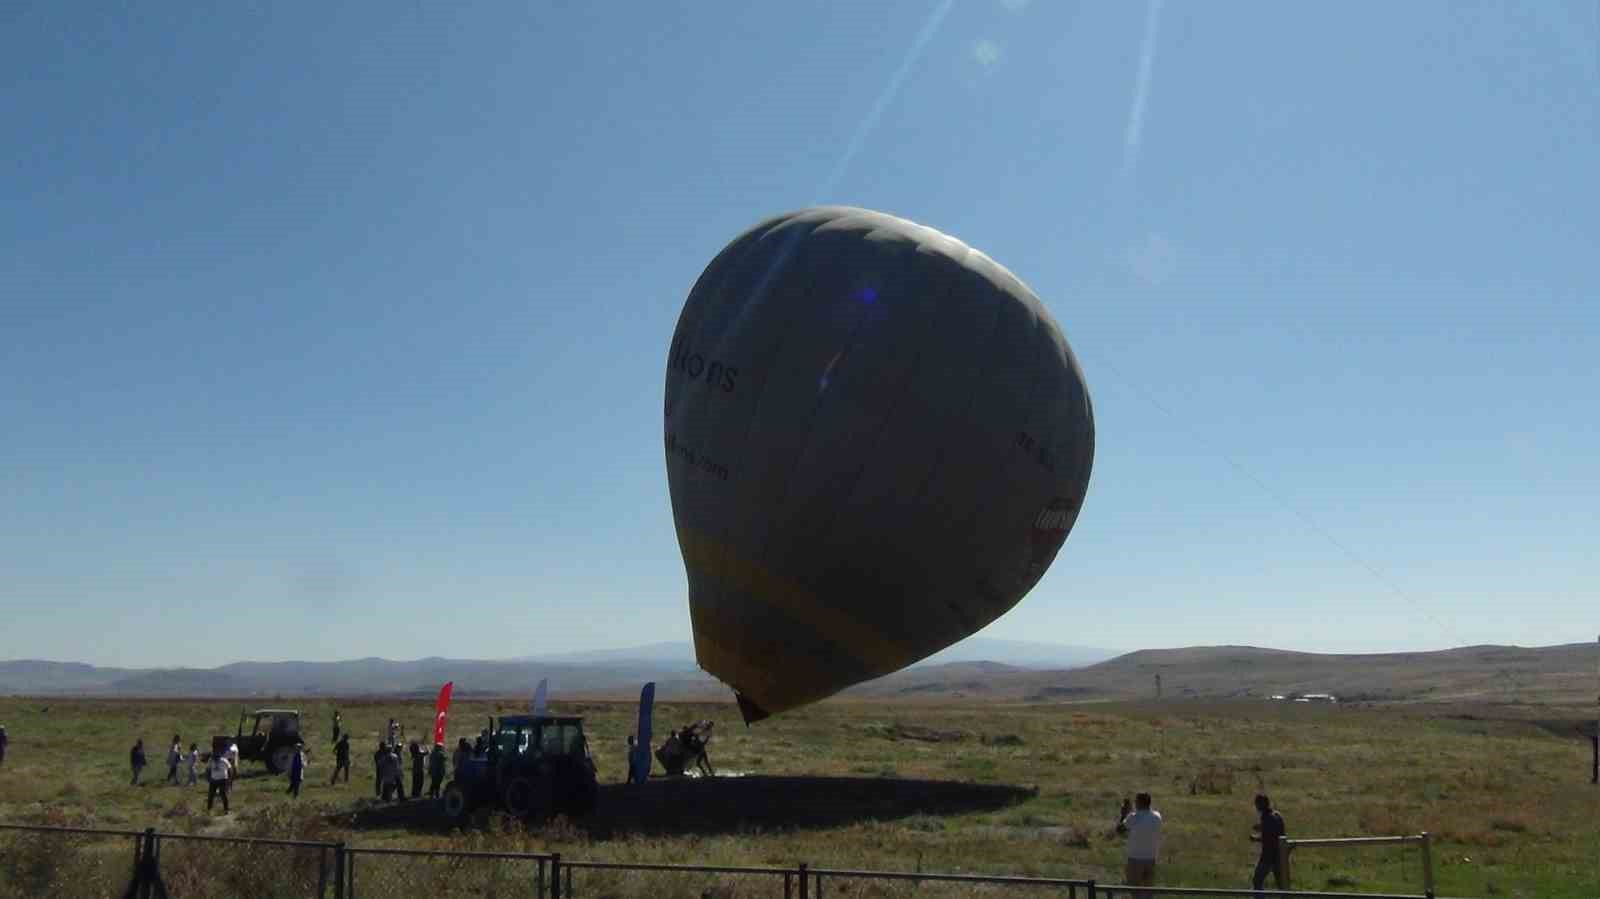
<point x="877" y="440"/>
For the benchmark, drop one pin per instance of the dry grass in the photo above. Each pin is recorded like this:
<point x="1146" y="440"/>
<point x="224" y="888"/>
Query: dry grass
<point x="1509" y="804"/>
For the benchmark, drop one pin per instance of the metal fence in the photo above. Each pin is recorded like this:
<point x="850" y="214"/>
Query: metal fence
<point x="79" y="863"/>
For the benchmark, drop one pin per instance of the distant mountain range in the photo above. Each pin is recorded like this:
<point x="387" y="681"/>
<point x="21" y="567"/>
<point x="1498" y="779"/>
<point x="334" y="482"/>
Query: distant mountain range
<point x="978" y="668"/>
<point x="1547" y="675"/>
<point x="671" y="665"/>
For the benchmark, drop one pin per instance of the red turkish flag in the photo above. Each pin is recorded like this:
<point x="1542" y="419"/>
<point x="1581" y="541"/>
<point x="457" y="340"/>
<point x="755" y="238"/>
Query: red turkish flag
<point x="441" y="711"/>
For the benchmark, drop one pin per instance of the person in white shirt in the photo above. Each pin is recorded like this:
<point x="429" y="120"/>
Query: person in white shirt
<point x="1144" y="842"/>
<point x="218" y="772"/>
<point x="194" y="764"/>
<point x="233" y="762"/>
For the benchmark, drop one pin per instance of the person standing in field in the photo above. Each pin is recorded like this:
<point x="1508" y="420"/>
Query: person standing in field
<point x="1269" y="832"/>
<point x="1143" y="828"/>
<point x="436" y="769"/>
<point x="3" y="741"/>
<point x="194" y="764"/>
<point x="338" y="725"/>
<point x="392" y="774"/>
<point x="136" y="760"/>
<point x="341" y="759"/>
<point x="233" y="761"/>
<point x="417" y="759"/>
<point x="219" y="776"/>
<point x="395" y="732"/>
<point x="378" y="756"/>
<point x="174" y="759"/>
<point x="297" y="770"/>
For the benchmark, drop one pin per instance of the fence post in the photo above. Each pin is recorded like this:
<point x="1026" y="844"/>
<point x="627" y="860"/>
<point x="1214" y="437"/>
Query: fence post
<point x="541" y="879"/>
<point x="1090" y="887"/>
<point x="1427" y="863"/>
<point x="1285" y="849"/>
<point x="555" y="875"/>
<point x="338" y="871"/>
<point x="805" y="881"/>
<point x="152" y="860"/>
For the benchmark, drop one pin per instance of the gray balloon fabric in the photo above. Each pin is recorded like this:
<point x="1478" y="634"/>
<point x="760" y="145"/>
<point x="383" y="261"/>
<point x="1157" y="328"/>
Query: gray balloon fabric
<point x="877" y="440"/>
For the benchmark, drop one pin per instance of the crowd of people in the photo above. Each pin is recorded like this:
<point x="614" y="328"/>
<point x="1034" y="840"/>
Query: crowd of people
<point x="221" y="769"/>
<point x="1140" y="824"/>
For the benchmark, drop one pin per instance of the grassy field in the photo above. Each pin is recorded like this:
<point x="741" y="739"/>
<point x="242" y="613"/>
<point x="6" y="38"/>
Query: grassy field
<point x="1508" y="801"/>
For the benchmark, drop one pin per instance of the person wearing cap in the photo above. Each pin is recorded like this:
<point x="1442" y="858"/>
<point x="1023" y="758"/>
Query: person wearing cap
<point x="297" y="770"/>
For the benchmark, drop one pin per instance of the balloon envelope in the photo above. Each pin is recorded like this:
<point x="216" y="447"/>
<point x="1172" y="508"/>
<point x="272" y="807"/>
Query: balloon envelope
<point x="877" y="440"/>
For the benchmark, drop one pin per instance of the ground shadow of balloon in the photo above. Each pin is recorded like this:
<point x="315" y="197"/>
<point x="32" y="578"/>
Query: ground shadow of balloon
<point x="719" y="805"/>
<point x="716" y="805"/>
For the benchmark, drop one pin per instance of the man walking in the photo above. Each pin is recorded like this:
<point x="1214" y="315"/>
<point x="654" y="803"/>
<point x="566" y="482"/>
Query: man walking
<point x="136" y="760"/>
<point x="218" y="774"/>
<point x="1143" y="828"/>
<point x="1269" y="832"/>
<point x="297" y="770"/>
<point x="341" y="759"/>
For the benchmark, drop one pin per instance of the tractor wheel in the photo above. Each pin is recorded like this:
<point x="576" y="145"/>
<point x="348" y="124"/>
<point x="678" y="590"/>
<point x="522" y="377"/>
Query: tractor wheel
<point x="455" y="801"/>
<point x="521" y="797"/>
<point x="279" y="759"/>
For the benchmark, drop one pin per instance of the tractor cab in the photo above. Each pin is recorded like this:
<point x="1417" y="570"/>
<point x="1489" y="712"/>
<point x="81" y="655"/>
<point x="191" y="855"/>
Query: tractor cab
<point x="272" y="737"/>
<point x="531" y="765"/>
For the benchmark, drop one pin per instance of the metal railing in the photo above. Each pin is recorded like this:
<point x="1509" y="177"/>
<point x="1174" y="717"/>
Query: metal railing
<point x="232" y="866"/>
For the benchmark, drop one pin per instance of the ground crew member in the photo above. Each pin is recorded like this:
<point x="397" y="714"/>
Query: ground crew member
<point x="1144" y="842"/>
<point x="341" y="759"/>
<point x="436" y="769"/>
<point x="377" y="769"/>
<point x="136" y="760"/>
<point x="417" y="759"/>
<point x="297" y="770"/>
<point x="1269" y="832"/>
<point x="219" y="775"/>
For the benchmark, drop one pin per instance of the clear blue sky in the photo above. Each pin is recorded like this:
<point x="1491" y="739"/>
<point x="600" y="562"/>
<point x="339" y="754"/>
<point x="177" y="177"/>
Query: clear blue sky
<point x="334" y="330"/>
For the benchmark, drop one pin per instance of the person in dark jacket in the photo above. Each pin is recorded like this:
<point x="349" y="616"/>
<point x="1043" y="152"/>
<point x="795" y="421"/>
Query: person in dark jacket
<point x="418" y="757"/>
<point x="341" y="759"/>
<point x="174" y="759"/>
<point x="436" y="768"/>
<point x="136" y="759"/>
<point x="3" y="741"/>
<point x="377" y="768"/>
<point x="297" y="770"/>
<point x="1269" y="832"/>
<point x="391" y="772"/>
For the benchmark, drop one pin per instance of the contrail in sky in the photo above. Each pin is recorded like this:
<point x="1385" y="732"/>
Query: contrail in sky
<point x="1141" y="90"/>
<point x="890" y="91"/>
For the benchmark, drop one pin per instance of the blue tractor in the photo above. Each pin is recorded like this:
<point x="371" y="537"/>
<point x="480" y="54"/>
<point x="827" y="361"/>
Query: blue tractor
<point x="529" y="766"/>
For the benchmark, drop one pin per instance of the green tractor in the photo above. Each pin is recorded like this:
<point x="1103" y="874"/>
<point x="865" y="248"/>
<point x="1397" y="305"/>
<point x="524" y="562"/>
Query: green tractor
<point x="529" y="766"/>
